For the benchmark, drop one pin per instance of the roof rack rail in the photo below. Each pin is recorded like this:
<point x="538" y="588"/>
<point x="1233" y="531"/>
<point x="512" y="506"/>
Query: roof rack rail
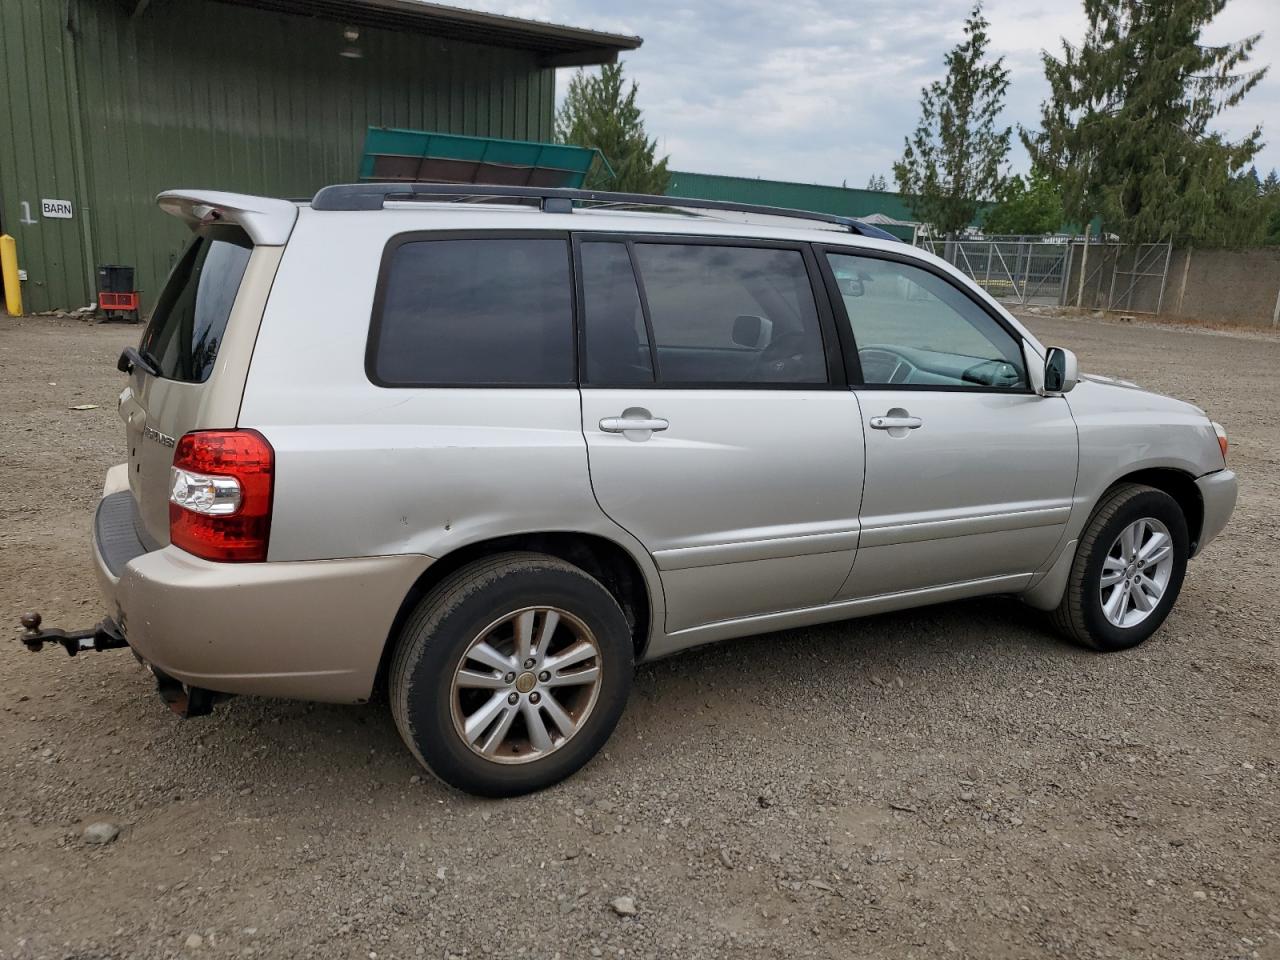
<point x="372" y="196"/>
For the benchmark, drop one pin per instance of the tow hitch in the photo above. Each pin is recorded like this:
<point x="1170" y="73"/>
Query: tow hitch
<point x="183" y="700"/>
<point x="105" y="636"/>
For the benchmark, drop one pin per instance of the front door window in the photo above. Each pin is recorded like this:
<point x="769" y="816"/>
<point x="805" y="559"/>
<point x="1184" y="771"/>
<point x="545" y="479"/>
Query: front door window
<point x="913" y="328"/>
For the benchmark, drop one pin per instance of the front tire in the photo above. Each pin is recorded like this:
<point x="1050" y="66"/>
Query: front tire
<point x="1128" y="570"/>
<point x="511" y="674"/>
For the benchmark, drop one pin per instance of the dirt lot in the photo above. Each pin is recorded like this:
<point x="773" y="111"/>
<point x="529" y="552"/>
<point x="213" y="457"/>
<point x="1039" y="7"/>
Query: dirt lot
<point x="948" y="782"/>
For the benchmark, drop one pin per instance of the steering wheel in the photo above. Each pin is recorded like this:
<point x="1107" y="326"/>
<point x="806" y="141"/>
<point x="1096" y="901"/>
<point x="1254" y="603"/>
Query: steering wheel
<point x="786" y="358"/>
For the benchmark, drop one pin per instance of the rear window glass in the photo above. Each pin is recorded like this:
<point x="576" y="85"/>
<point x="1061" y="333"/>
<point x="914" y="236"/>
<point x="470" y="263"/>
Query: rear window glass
<point x="188" y="323"/>
<point x="473" y="312"/>
<point x="723" y="314"/>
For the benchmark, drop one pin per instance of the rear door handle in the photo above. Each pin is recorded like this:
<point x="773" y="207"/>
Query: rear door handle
<point x="896" y="423"/>
<point x="626" y="424"/>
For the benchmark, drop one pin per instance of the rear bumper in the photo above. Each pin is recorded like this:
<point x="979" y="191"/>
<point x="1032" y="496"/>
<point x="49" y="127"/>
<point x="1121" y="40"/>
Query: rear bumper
<point x="1218" y="493"/>
<point x="313" y="630"/>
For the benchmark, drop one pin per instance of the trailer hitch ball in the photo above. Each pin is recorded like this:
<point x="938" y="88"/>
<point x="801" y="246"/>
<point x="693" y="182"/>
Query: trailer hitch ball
<point x="31" y="630"/>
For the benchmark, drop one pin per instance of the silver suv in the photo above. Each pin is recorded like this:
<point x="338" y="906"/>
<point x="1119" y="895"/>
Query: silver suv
<point x="488" y="455"/>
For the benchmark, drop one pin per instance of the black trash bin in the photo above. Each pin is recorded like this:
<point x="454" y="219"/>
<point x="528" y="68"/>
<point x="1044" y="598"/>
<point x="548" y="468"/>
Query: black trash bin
<point x="117" y="299"/>
<point x="114" y="278"/>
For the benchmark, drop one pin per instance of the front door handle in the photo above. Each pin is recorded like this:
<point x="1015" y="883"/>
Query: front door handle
<point x="627" y="424"/>
<point x="896" y="423"/>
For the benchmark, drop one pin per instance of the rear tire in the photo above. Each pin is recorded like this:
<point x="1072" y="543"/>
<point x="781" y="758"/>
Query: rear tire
<point x="1092" y="613"/>
<point x="488" y="716"/>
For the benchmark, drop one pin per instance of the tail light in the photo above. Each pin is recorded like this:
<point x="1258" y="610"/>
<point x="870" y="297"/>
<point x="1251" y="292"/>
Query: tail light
<point x="1222" y="439"/>
<point x="220" y="494"/>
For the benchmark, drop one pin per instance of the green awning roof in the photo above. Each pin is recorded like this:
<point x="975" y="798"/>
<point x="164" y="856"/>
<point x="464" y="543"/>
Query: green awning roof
<point x="420" y="156"/>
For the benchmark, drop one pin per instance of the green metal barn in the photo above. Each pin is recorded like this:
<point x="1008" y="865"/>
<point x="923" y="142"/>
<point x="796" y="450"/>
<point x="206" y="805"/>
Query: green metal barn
<point x="104" y="103"/>
<point x="885" y="209"/>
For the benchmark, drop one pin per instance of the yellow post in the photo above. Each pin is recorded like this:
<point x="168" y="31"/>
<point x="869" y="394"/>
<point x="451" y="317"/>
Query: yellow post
<point x="9" y="270"/>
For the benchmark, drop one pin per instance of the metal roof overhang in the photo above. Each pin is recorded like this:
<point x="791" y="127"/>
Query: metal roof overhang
<point x="555" y="45"/>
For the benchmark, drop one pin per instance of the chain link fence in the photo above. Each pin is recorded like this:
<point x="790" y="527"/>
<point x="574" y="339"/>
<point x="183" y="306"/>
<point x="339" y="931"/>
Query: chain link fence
<point x="1019" y="270"/>
<point x="1116" y="276"/>
<point x="1062" y="271"/>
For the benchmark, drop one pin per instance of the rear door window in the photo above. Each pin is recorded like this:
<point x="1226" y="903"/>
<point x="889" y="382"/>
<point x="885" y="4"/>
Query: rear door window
<point x="187" y="325"/>
<point x="495" y="311"/>
<point x="701" y="314"/>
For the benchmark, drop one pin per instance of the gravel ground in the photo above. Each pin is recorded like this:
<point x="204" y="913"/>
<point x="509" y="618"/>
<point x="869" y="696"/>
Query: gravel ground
<point x="952" y="781"/>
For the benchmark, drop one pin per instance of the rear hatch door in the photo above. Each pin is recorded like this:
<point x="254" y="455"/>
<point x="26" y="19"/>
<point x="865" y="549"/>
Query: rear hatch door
<point x="192" y="369"/>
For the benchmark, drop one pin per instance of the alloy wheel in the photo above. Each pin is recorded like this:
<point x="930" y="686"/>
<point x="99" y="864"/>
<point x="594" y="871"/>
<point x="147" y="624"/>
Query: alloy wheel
<point x="1136" y="572"/>
<point x="526" y="685"/>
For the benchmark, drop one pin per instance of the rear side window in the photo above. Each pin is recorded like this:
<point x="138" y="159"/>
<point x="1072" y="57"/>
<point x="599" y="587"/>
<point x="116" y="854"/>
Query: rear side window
<point x="187" y="325"/>
<point x="471" y="312"/>
<point x="702" y="314"/>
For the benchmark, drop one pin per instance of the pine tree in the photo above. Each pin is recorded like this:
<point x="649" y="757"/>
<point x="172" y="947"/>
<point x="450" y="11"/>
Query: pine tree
<point x="1125" y="132"/>
<point x="878" y="182"/>
<point x="1271" y="208"/>
<point x="599" y="113"/>
<point x="954" y="159"/>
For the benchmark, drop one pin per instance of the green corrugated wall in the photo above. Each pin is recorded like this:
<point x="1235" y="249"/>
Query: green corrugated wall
<point x="193" y="93"/>
<point x="36" y="155"/>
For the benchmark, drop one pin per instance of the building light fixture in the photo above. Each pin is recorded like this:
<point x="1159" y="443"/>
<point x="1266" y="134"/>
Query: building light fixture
<point x="350" y="51"/>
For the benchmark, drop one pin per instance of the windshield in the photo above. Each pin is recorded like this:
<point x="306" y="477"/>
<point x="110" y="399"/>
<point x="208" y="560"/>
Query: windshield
<point x="187" y="325"/>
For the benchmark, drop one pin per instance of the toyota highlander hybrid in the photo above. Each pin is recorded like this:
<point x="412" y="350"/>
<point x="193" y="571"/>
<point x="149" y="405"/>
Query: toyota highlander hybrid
<point x="487" y="456"/>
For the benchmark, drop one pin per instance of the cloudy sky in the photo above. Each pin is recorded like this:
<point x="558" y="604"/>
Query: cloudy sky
<point x="825" y="92"/>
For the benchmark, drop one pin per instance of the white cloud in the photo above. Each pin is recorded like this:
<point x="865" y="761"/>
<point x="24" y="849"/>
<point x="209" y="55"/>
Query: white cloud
<point x="811" y="91"/>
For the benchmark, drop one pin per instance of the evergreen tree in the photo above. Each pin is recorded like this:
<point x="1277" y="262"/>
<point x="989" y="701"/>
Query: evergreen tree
<point x="598" y="112"/>
<point x="955" y="157"/>
<point x="1271" y="208"/>
<point x="878" y="182"/>
<point x="1027" y="207"/>
<point x="1125" y="131"/>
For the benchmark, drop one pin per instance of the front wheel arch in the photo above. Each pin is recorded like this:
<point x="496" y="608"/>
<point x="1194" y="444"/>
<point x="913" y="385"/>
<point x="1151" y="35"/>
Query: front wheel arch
<point x="1080" y="614"/>
<point x="1177" y="484"/>
<point x="1047" y="592"/>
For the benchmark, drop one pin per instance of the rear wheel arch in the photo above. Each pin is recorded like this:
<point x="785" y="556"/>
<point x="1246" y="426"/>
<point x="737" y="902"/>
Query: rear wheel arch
<point x="606" y="560"/>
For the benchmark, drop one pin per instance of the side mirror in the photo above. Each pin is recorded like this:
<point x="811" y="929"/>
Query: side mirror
<point x="752" y="332"/>
<point x="1061" y="371"/>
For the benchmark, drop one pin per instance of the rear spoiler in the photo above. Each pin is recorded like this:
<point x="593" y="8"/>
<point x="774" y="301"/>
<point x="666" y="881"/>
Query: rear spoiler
<point x="268" y="222"/>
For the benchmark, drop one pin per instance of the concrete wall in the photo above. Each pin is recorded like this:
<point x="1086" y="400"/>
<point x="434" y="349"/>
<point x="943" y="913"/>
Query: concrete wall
<point x="1234" y="286"/>
<point x="1219" y="286"/>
